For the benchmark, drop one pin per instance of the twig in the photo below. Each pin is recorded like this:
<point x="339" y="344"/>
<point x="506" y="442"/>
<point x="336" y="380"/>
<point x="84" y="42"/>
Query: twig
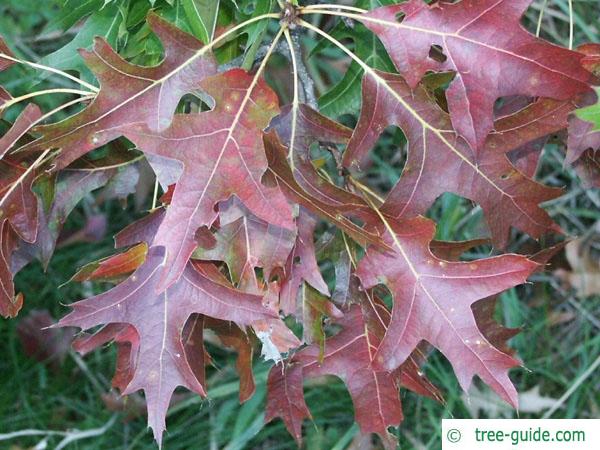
<point x="308" y="85"/>
<point x="260" y="55"/>
<point x="30" y="432"/>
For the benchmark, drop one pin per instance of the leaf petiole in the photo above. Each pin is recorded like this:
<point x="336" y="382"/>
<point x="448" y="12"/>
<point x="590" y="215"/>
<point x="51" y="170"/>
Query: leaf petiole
<point x="14" y="101"/>
<point x="295" y="101"/>
<point x="332" y="6"/>
<point x="91" y="87"/>
<point x="42" y="157"/>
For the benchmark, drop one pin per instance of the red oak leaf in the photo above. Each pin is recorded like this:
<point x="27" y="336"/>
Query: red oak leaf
<point x="245" y="243"/>
<point x="591" y="61"/>
<point x="68" y="190"/>
<point x="234" y="337"/>
<point x="285" y="398"/>
<point x="583" y="136"/>
<point x="377" y="318"/>
<point x="113" y="267"/>
<point x="433" y="299"/>
<point x="28" y="117"/>
<point x="42" y="343"/>
<point x="18" y="204"/>
<point x="10" y="305"/>
<point x="588" y="168"/>
<point x="5" y="63"/>
<point x="142" y="230"/>
<point x="274" y="334"/>
<point x="231" y="162"/>
<point x="159" y="320"/>
<point x="311" y="127"/>
<point x="485" y="310"/>
<point x="439" y="161"/>
<point x="129" y="93"/>
<point x="127" y="340"/>
<point x="349" y="356"/>
<point x="192" y="338"/>
<point x="284" y="177"/>
<point x="301" y="266"/>
<point x="490" y="51"/>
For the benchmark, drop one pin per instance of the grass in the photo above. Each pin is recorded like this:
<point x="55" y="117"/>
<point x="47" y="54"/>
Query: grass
<point x="33" y="396"/>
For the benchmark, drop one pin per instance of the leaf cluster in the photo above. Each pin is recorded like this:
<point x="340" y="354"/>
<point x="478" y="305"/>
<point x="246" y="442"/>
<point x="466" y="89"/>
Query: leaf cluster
<point x="264" y="184"/>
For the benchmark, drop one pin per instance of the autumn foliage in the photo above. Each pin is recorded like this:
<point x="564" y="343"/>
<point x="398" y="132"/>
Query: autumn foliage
<point x="231" y="246"/>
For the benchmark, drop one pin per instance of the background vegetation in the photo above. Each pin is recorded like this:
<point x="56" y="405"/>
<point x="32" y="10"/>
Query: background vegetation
<point x="560" y="344"/>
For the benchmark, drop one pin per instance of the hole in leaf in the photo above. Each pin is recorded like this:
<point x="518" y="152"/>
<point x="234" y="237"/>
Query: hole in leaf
<point x="296" y="260"/>
<point x="275" y="278"/>
<point x="205" y="238"/>
<point x="258" y="271"/>
<point x="400" y="17"/>
<point x="437" y="53"/>
<point x="456" y="218"/>
<point x="268" y="179"/>
<point x="382" y="170"/>
<point x="508" y="105"/>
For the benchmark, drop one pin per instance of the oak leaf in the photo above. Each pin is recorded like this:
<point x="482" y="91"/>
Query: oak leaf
<point x="492" y="54"/>
<point x="231" y="162"/>
<point x="440" y="161"/>
<point x="433" y="299"/>
<point x="129" y="93"/>
<point x="159" y="320"/>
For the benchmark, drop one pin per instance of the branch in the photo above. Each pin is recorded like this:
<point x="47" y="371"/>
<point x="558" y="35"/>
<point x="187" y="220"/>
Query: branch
<point x="308" y="85"/>
<point x="260" y="55"/>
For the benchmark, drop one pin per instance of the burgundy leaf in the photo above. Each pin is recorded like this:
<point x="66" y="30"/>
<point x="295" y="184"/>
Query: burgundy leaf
<point x="483" y="41"/>
<point x="301" y="266"/>
<point x="246" y="243"/>
<point x="129" y="93"/>
<point x="48" y="345"/>
<point x="439" y="161"/>
<point x="284" y="178"/>
<point x="311" y="127"/>
<point x="18" y="204"/>
<point x="231" y="164"/>
<point x="349" y="356"/>
<point x="159" y="320"/>
<point x="285" y="398"/>
<point x="234" y="337"/>
<point x="10" y="304"/>
<point x="433" y="299"/>
<point x="28" y="117"/>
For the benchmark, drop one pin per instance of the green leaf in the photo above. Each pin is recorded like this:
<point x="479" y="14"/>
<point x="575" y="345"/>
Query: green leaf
<point x="256" y="32"/>
<point x="344" y="96"/>
<point x="591" y="113"/>
<point x="73" y="12"/>
<point x="105" y="23"/>
<point x="202" y="17"/>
